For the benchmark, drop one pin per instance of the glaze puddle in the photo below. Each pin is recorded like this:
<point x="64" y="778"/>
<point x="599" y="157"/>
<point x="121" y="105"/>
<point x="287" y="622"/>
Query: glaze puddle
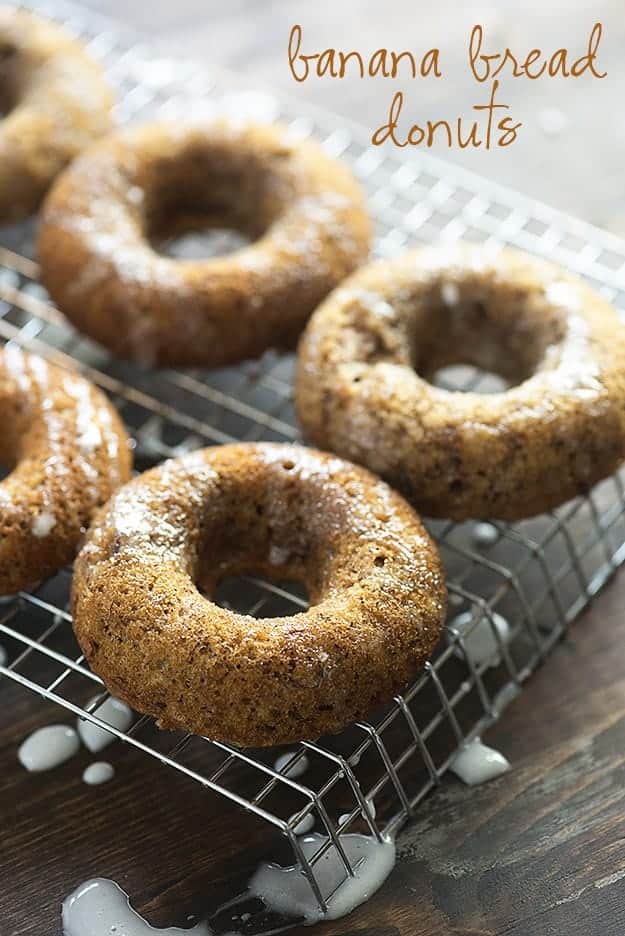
<point x="101" y="908"/>
<point x="98" y="773"/>
<point x="297" y="768"/>
<point x="286" y="891"/>
<point x="114" y="713"/>
<point x="484" y="534"/>
<point x="305" y="825"/>
<point x="370" y="803"/>
<point x="48" y="747"/>
<point x="480" y="638"/>
<point x="476" y="763"/>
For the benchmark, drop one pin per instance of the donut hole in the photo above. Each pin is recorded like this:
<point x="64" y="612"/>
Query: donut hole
<point x="473" y="333"/>
<point x="493" y="336"/>
<point x="9" y="86"/>
<point x="257" y="574"/>
<point x="261" y="596"/>
<point x="206" y="203"/>
<point x="273" y="526"/>
<point x="9" y="449"/>
<point x="190" y="225"/>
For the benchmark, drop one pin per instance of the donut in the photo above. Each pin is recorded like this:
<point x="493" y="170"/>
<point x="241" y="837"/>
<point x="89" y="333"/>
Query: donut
<point x="367" y="358"/>
<point x="145" y="579"/>
<point x="105" y="216"/>
<point x="53" y="102"/>
<point x="66" y="451"/>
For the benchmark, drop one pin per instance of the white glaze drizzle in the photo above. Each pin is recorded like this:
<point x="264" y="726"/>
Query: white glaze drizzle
<point x="484" y="534"/>
<point x="450" y="293"/>
<point x="114" y="713"/>
<point x="476" y="763"/>
<point x="112" y="441"/>
<point x="305" y="825"/>
<point x="295" y="770"/>
<point x="89" y="435"/>
<point x="479" y="638"/>
<point x="286" y="890"/>
<point x="278" y="555"/>
<point x="101" y="908"/>
<point x="563" y="293"/>
<point x="14" y="360"/>
<point x="92" y="428"/>
<point x="43" y="524"/>
<point x="97" y="773"/>
<point x="370" y="803"/>
<point x="48" y="747"/>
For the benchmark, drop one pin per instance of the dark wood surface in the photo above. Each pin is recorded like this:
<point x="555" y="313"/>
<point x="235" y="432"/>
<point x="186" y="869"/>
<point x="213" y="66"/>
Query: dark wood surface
<point x="540" y="852"/>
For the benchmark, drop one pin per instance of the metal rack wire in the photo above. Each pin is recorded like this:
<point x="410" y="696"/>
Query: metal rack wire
<point x="538" y="574"/>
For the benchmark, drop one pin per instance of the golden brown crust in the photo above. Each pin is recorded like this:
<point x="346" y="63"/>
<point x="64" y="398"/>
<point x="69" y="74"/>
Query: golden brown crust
<point x="102" y="216"/>
<point x="55" y="102"/>
<point x="67" y="450"/>
<point x="373" y="575"/>
<point x="557" y="430"/>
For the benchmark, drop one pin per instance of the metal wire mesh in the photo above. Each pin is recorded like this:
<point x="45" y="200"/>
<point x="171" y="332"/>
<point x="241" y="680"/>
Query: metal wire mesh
<point x="537" y="575"/>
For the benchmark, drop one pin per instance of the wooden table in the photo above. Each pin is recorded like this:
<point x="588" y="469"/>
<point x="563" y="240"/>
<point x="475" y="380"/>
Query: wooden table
<point x="540" y="852"/>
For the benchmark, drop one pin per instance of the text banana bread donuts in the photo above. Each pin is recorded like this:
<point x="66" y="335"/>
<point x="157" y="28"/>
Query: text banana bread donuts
<point x="169" y="536"/>
<point x="53" y="102"/>
<point x="66" y="450"/>
<point x="363" y="391"/>
<point x="304" y="212"/>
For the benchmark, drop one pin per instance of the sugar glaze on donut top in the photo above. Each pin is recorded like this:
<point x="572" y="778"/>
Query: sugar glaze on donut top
<point x="66" y="451"/>
<point x="144" y="581"/>
<point x="363" y="391"/>
<point x="107" y="214"/>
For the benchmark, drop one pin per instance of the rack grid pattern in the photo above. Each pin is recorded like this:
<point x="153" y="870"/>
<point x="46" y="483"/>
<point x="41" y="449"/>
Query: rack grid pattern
<point x="536" y="576"/>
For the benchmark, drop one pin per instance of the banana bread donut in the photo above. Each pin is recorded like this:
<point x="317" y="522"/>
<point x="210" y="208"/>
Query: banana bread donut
<point x="66" y="450"/>
<point x="364" y="361"/>
<point x="105" y="214"/>
<point x="168" y="537"/>
<point x="53" y="102"/>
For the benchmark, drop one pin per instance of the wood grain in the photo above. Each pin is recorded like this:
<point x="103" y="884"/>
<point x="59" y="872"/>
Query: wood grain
<point x="540" y="851"/>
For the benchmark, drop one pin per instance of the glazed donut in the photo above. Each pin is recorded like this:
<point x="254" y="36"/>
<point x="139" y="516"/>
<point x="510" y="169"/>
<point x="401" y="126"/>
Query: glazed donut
<point x="54" y="102"/>
<point x="66" y="450"/>
<point x="365" y="360"/>
<point x="170" y="536"/>
<point x="106" y="212"/>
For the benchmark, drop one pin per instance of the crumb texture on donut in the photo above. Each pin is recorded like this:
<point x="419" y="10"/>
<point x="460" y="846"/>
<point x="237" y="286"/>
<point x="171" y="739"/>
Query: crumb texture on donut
<point x="145" y="578"/>
<point x="365" y="359"/>
<point x="53" y="102"/>
<point x="303" y="212"/>
<point x="66" y="451"/>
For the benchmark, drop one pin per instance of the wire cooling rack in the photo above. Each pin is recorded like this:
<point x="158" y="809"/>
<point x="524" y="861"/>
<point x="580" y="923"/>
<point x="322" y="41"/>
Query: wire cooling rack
<point x="537" y="575"/>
